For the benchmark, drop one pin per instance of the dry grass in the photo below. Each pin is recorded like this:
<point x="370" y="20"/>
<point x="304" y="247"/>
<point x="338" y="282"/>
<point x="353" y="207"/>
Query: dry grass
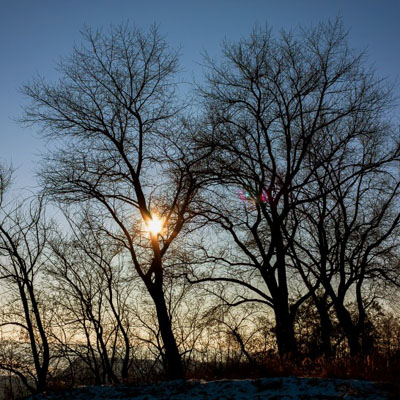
<point x="374" y="368"/>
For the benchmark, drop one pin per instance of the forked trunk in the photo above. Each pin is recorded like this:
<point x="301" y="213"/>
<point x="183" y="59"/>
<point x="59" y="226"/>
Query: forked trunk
<point x="350" y="329"/>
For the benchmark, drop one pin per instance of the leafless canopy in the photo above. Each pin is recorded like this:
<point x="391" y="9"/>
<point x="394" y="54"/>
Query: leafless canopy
<point x="122" y="145"/>
<point x="292" y="119"/>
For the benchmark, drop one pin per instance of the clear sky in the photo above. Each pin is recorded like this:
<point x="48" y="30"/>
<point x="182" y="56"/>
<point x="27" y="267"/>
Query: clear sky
<point x="34" y="33"/>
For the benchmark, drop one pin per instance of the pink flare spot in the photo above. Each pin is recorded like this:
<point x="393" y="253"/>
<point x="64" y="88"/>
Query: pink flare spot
<point x="241" y="195"/>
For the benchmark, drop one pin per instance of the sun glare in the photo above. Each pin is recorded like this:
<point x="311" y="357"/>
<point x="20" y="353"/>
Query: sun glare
<point x="155" y="225"/>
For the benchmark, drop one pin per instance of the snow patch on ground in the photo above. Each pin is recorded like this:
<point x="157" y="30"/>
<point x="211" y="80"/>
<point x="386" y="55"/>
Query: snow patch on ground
<point x="283" y="388"/>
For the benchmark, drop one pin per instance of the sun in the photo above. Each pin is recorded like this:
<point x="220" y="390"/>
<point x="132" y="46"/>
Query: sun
<point x="155" y="225"/>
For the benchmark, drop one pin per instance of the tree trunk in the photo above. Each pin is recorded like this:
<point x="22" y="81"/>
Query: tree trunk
<point x="326" y="326"/>
<point x="42" y="381"/>
<point x="40" y="368"/>
<point x="43" y="371"/>
<point x="284" y="331"/>
<point x="239" y="339"/>
<point x="174" y="367"/>
<point x="350" y="330"/>
<point x="326" y="334"/>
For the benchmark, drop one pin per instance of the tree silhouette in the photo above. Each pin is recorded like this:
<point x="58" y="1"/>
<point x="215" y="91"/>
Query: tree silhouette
<point x="292" y="116"/>
<point x="123" y="149"/>
<point x="24" y="235"/>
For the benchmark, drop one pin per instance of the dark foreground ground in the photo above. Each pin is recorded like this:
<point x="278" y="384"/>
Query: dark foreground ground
<point x="287" y="388"/>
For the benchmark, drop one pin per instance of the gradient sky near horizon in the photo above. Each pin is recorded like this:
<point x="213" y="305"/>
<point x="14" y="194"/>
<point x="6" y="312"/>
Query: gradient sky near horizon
<point x="34" y="34"/>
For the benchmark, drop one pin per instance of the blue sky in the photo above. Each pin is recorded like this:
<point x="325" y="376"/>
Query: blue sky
<point x="34" y="34"/>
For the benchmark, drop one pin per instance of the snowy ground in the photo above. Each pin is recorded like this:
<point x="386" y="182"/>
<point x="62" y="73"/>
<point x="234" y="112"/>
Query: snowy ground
<point x="268" y="388"/>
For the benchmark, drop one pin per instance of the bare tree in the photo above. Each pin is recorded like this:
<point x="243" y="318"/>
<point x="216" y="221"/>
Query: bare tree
<point x="23" y="237"/>
<point x="5" y="179"/>
<point x="123" y="148"/>
<point x="92" y="283"/>
<point x="281" y="112"/>
<point x="348" y="237"/>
